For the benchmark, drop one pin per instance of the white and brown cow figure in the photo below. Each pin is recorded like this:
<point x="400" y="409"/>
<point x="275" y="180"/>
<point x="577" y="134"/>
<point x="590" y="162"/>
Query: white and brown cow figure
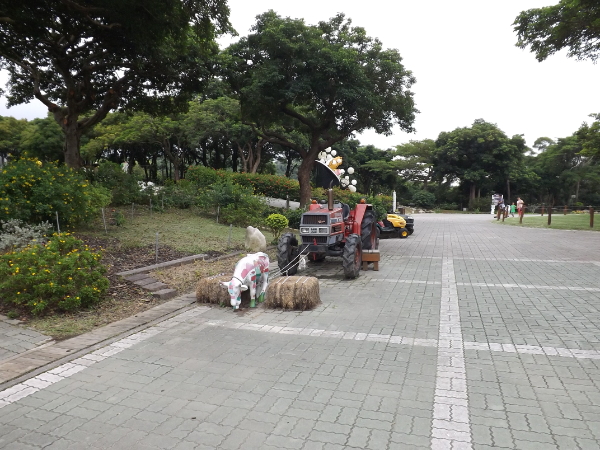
<point x="251" y="272"/>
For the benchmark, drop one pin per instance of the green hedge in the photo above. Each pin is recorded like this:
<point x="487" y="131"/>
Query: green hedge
<point x="266" y="185"/>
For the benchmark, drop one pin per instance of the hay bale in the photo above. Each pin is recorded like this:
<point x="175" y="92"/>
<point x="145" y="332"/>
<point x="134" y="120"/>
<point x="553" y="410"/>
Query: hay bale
<point x="298" y="293"/>
<point x="209" y="290"/>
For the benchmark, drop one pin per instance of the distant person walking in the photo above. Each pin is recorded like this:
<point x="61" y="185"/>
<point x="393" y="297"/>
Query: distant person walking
<point x="513" y="209"/>
<point x="520" y="205"/>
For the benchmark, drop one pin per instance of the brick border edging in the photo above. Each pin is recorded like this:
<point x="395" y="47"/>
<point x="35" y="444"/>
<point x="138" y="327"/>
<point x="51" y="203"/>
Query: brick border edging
<point x="46" y="357"/>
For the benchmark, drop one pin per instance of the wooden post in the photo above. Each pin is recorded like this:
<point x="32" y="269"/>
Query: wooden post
<point x="591" y="217"/>
<point x="565" y="210"/>
<point x="549" y="215"/>
<point x="542" y="210"/>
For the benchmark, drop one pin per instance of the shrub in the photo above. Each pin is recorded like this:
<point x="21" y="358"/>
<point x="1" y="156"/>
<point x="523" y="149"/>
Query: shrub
<point x="182" y="195"/>
<point x="34" y="192"/>
<point x="448" y="206"/>
<point x="423" y="199"/>
<point x="249" y="211"/>
<point x="276" y="223"/>
<point x="205" y="177"/>
<point x="293" y="216"/>
<point x="237" y="204"/>
<point x="16" y="235"/>
<point x="269" y="185"/>
<point x="62" y="275"/>
<point x="123" y="187"/>
<point x="480" y="204"/>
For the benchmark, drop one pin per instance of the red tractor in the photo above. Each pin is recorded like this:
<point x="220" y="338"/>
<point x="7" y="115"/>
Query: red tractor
<point x="330" y="229"/>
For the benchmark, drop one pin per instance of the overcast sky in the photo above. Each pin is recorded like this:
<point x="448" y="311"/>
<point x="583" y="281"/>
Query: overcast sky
<point x="464" y="58"/>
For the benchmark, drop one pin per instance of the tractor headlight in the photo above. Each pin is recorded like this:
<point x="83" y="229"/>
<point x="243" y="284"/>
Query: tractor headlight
<point x="324" y="230"/>
<point x="305" y="230"/>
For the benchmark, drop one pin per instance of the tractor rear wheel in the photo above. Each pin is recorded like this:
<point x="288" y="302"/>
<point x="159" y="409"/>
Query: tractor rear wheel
<point x="368" y="231"/>
<point x="287" y="254"/>
<point x="352" y="256"/>
<point x="403" y="233"/>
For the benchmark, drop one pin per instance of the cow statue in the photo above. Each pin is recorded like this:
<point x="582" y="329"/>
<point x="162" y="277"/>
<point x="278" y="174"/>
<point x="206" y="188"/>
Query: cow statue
<point x="251" y="272"/>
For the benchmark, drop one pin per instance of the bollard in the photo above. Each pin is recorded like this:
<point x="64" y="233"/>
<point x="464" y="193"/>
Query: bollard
<point x="591" y="217"/>
<point x="287" y="202"/>
<point x="549" y="215"/>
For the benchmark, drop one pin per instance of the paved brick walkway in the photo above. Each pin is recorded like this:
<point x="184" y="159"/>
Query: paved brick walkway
<point x="16" y="339"/>
<point x="473" y="335"/>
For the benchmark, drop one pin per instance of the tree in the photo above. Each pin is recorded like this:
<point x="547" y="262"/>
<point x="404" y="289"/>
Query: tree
<point x="414" y="161"/>
<point x="571" y="24"/>
<point x="478" y="156"/>
<point x="221" y="117"/>
<point x="43" y="139"/>
<point x="83" y="59"/>
<point x="327" y="81"/>
<point x="541" y="144"/>
<point x="11" y="130"/>
<point x="589" y="135"/>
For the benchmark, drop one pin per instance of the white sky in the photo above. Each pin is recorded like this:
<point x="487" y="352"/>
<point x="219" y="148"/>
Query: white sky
<point x="463" y="56"/>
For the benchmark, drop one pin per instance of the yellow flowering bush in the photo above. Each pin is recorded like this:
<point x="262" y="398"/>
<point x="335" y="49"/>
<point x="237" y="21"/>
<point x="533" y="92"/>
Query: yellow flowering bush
<point x="34" y="192"/>
<point x="62" y="275"/>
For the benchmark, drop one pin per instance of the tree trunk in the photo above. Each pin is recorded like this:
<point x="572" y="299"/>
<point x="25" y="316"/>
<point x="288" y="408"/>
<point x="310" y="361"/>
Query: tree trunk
<point x="508" y="190"/>
<point x="577" y="191"/>
<point x="304" y="180"/>
<point x="259" y="146"/>
<point x="288" y="167"/>
<point x="72" y="136"/>
<point x="472" y="192"/>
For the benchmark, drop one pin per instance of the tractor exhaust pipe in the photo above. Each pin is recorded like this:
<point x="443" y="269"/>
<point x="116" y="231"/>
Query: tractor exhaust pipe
<point x="330" y="199"/>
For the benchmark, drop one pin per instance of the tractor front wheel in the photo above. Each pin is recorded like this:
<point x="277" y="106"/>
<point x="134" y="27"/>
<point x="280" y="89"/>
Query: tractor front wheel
<point x="403" y="233"/>
<point x="287" y="254"/>
<point x="352" y="256"/>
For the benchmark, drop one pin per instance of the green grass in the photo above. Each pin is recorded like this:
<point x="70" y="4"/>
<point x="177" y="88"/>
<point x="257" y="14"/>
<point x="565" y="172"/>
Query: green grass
<point x="559" y="221"/>
<point x="183" y="230"/>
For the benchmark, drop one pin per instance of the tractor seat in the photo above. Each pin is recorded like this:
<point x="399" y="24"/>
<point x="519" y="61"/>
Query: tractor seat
<point x="345" y="210"/>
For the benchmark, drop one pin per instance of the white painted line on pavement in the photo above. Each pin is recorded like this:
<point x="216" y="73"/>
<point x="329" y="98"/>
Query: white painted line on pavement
<point x="403" y="340"/>
<point x="451" y="426"/>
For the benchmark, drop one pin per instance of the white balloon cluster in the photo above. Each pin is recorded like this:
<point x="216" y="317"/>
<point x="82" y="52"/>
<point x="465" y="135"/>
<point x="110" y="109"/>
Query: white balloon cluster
<point x="327" y="157"/>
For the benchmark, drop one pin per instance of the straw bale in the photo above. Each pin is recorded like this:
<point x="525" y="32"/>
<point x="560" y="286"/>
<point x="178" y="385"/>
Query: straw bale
<point x="209" y="290"/>
<point x="298" y="293"/>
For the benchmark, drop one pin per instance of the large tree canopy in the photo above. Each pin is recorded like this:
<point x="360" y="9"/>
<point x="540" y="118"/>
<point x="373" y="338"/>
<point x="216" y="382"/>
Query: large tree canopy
<point x="328" y="80"/>
<point x="572" y="25"/>
<point x="86" y="57"/>
<point x="478" y="156"/>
